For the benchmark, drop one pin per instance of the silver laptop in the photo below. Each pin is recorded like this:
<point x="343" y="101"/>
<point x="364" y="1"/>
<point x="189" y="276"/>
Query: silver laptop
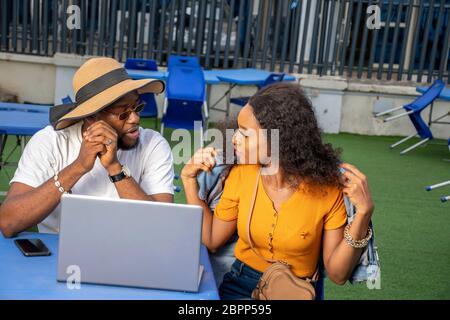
<point x="130" y="243"/>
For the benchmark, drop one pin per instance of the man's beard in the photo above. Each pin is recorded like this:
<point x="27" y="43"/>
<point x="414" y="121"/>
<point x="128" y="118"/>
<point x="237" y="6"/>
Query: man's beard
<point x="122" y="146"/>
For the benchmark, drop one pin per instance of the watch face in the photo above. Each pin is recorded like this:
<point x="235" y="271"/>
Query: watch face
<point x="126" y="171"/>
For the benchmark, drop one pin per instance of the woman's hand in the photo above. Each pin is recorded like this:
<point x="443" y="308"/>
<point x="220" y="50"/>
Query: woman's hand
<point x="202" y="160"/>
<point x="356" y="188"/>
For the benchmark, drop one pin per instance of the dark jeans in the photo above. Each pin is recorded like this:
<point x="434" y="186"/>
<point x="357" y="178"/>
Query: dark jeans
<point x="238" y="284"/>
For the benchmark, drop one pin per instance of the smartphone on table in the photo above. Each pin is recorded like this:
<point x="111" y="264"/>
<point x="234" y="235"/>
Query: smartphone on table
<point x="32" y="247"/>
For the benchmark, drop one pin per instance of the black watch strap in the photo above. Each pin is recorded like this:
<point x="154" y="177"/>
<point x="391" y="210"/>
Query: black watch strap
<point x="118" y="177"/>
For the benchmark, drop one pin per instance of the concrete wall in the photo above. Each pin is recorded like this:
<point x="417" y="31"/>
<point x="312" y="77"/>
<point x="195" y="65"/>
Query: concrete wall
<point x="29" y="78"/>
<point x="340" y="105"/>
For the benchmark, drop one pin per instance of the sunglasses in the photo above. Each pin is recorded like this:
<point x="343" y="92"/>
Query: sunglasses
<point x="138" y="107"/>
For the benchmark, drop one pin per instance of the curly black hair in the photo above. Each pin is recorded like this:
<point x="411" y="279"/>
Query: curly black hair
<point x="302" y="154"/>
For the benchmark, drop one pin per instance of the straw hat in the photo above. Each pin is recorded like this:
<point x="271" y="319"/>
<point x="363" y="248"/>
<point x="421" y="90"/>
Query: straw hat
<point x="97" y="84"/>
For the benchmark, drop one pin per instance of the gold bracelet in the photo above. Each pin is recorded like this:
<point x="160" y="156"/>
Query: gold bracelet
<point x="358" y="244"/>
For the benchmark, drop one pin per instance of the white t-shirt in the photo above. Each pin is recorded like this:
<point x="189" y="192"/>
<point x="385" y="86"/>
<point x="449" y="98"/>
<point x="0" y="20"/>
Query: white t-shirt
<point x="49" y="151"/>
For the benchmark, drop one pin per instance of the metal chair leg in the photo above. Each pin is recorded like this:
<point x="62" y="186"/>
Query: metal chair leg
<point x="402" y="140"/>
<point x="166" y="102"/>
<point x="205" y="109"/>
<point x="430" y="116"/>
<point x="441" y="117"/>
<point x="398" y="116"/>
<point x="227" y="114"/>
<point x="201" y="137"/>
<point x="23" y="142"/>
<point x="3" y="139"/>
<point x="206" y="115"/>
<point x="414" y="146"/>
<point x="379" y="114"/>
<point x="438" y="185"/>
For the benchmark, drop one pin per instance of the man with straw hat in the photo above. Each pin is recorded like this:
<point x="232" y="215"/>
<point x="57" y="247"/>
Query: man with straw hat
<point x="94" y="147"/>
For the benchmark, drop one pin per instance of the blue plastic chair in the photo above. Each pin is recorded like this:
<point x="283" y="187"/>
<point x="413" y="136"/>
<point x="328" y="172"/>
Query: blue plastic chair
<point x="177" y="189"/>
<point x="185" y="100"/>
<point x="272" y="78"/>
<point x="413" y="110"/>
<point x="66" y="100"/>
<point x="151" y="108"/>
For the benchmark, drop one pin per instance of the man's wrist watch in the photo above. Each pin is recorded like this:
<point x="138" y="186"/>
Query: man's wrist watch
<point x="125" y="173"/>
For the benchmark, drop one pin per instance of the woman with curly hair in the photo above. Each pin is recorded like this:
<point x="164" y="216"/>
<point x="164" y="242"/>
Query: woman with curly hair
<point x="299" y="211"/>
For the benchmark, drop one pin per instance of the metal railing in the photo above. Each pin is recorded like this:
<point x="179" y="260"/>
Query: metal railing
<point x="323" y="37"/>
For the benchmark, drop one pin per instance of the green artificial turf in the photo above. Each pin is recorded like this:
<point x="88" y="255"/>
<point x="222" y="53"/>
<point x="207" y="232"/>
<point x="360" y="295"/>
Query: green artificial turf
<point x="412" y="227"/>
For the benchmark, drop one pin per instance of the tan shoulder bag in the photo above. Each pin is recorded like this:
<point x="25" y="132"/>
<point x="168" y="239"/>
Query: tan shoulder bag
<point x="278" y="282"/>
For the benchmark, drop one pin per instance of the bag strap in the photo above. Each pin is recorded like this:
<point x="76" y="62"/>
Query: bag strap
<point x="315" y="276"/>
<point x="250" y="213"/>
